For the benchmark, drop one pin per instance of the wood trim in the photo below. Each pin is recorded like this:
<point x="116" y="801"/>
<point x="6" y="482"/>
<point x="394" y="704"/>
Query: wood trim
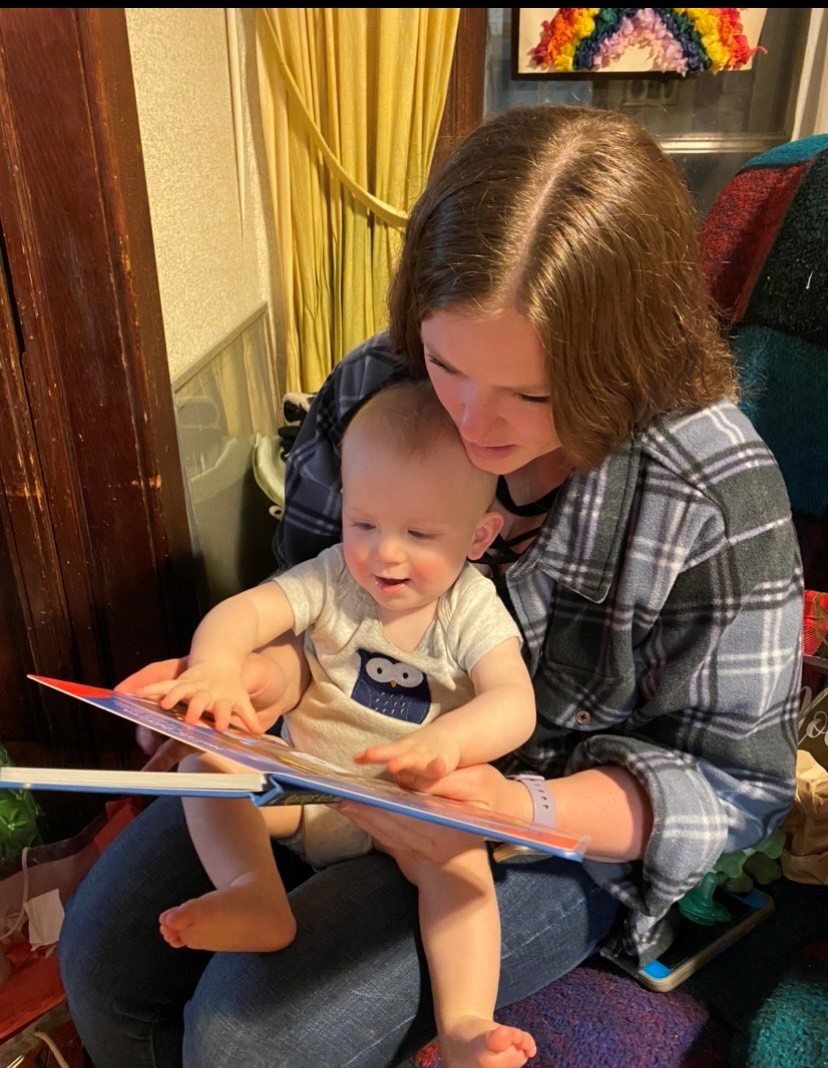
<point x="158" y="485"/>
<point x="35" y="623"/>
<point x="29" y="513"/>
<point x="95" y="501"/>
<point x="33" y="555"/>
<point x="463" y="111"/>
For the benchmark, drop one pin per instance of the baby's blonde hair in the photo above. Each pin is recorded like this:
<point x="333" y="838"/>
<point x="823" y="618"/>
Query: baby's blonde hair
<point x="407" y="418"/>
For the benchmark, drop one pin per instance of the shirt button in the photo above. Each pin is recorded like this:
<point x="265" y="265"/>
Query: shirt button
<point x="582" y="716"/>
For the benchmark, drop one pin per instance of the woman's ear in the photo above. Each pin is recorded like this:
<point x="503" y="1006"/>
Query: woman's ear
<point x="485" y="533"/>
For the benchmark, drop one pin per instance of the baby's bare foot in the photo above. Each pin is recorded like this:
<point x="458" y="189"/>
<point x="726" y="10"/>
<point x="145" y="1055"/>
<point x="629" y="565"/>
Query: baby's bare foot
<point x="474" y="1042"/>
<point x="248" y="917"/>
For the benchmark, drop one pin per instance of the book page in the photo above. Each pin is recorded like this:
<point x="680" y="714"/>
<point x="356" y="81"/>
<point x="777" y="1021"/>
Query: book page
<point x="275" y="758"/>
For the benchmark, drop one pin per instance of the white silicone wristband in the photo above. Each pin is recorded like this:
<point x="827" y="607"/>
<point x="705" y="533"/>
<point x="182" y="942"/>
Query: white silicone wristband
<point x="542" y="804"/>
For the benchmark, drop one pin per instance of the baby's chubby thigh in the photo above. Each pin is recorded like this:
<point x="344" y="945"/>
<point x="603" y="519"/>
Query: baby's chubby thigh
<point x="281" y="821"/>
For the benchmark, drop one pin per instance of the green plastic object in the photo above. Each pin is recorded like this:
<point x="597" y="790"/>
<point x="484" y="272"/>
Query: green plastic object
<point x="20" y="818"/>
<point x="698" y="904"/>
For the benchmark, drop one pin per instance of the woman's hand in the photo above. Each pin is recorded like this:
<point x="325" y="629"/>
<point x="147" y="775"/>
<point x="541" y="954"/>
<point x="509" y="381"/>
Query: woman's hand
<point x="410" y="840"/>
<point x="481" y="785"/>
<point x="274" y="678"/>
<point x="164" y="753"/>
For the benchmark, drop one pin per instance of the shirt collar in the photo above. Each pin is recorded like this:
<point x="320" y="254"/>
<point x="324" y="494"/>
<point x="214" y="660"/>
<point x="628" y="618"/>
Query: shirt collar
<point x="580" y="543"/>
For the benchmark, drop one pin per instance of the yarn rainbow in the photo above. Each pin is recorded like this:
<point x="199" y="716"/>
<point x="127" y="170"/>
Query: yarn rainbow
<point x="680" y="39"/>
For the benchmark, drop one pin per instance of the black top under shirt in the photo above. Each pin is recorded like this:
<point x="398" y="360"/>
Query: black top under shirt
<point x="504" y="551"/>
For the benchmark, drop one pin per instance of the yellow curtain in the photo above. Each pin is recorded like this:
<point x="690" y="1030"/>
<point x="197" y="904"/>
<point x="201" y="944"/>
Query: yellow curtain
<point x="351" y="104"/>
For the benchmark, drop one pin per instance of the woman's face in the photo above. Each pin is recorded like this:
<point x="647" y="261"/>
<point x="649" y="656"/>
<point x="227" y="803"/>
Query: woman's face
<point x="489" y="372"/>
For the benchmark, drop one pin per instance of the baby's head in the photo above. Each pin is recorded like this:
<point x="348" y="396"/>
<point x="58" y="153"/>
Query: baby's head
<point x="414" y="507"/>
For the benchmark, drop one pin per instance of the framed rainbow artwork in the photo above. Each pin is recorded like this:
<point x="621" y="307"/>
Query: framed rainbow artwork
<point x="556" y="42"/>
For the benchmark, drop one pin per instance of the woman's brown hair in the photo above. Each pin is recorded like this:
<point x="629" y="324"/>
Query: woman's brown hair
<point x="575" y="217"/>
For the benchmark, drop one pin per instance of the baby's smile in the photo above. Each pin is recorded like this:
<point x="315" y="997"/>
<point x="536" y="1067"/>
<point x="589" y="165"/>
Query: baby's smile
<point x="387" y="584"/>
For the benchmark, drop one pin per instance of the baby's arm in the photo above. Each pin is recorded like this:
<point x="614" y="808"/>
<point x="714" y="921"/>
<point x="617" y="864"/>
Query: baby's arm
<point x="499" y="718"/>
<point x="228" y="633"/>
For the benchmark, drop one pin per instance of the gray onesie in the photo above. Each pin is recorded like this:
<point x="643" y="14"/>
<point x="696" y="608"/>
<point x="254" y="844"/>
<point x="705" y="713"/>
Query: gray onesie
<point x="363" y="689"/>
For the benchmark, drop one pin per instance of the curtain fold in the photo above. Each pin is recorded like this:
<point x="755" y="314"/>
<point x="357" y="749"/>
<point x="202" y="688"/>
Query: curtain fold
<point x="351" y="102"/>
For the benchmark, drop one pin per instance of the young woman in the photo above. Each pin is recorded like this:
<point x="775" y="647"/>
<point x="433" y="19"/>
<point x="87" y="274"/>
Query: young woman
<point x="550" y="288"/>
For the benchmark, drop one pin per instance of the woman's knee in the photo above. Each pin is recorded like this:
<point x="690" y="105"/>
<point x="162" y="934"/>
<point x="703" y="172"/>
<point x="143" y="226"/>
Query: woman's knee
<point x="110" y="932"/>
<point x="77" y="938"/>
<point x="553" y="917"/>
<point x="346" y="992"/>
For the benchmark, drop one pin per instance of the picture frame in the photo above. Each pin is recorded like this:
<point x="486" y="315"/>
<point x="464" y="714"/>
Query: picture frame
<point x="684" y="48"/>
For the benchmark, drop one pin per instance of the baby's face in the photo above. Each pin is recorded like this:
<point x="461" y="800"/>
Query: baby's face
<point x="408" y="524"/>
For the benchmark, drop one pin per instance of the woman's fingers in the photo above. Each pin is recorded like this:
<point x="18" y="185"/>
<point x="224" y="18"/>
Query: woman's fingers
<point x="158" y="671"/>
<point x="167" y="756"/>
<point x="478" y="785"/>
<point x="390" y="831"/>
<point x="397" y="834"/>
<point x="148" y="741"/>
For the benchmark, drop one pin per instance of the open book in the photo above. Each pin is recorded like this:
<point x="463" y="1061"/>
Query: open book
<point x="278" y="775"/>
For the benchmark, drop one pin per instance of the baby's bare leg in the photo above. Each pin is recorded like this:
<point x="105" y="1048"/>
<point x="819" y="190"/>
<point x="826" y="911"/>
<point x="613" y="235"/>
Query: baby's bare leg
<point x="248" y="911"/>
<point x="460" y="925"/>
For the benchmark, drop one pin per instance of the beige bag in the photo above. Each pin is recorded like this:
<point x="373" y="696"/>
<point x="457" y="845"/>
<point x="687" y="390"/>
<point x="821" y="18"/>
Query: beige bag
<point x="805" y="857"/>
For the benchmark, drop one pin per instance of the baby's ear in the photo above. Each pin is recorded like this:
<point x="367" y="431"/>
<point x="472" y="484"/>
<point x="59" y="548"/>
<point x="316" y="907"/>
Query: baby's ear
<point x="485" y="533"/>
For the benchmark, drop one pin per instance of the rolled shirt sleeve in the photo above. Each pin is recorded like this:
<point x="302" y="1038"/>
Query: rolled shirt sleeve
<point x="719" y="767"/>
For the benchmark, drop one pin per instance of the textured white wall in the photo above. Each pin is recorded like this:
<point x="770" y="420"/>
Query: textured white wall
<point x="213" y="266"/>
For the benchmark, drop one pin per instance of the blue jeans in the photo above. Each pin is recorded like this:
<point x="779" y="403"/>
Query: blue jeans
<point x="351" y="990"/>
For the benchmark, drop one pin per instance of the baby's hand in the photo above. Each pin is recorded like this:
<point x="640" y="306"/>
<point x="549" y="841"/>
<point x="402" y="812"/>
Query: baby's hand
<point x="431" y="752"/>
<point x="217" y="690"/>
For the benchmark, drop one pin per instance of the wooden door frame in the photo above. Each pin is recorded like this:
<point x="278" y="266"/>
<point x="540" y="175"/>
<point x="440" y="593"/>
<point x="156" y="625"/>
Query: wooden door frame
<point x="94" y="508"/>
<point x="463" y="111"/>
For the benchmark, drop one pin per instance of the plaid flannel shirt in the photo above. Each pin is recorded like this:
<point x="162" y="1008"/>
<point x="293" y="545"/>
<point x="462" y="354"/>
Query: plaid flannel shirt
<point x="661" y="609"/>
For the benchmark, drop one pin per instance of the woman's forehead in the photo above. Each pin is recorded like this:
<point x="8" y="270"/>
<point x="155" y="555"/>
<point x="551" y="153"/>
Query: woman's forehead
<point x="501" y="348"/>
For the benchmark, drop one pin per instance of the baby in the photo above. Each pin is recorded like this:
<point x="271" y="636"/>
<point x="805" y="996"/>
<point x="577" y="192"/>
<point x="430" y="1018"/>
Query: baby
<point x="415" y="666"/>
